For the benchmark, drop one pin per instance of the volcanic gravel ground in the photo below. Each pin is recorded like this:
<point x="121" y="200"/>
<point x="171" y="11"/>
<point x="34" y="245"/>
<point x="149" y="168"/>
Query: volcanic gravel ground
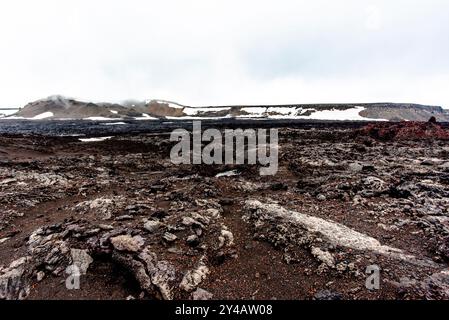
<point x="139" y="227"/>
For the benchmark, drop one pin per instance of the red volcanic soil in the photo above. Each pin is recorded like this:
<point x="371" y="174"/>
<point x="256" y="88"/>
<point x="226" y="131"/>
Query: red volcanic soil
<point x="406" y="130"/>
<point x="142" y="227"/>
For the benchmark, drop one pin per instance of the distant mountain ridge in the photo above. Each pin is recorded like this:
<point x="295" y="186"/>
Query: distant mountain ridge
<point x="58" y="107"/>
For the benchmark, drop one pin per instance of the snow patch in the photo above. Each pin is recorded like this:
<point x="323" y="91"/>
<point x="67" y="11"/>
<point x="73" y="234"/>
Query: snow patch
<point x="227" y="174"/>
<point x="348" y="114"/>
<point x="94" y="139"/>
<point x="97" y="118"/>
<point x="145" y="116"/>
<point x="197" y="118"/>
<point x="113" y="123"/>
<point x="43" y="115"/>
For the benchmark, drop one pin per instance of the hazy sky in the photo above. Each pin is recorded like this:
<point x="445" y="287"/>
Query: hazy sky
<point x="215" y="52"/>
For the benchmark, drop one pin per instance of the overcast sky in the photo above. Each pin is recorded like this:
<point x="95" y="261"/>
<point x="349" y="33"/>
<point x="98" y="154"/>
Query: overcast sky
<point x="215" y="52"/>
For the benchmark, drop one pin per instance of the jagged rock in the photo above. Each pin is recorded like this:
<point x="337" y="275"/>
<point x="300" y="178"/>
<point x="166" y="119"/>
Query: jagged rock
<point x="46" y="247"/>
<point x="127" y="243"/>
<point x="103" y="207"/>
<point x="226" y="238"/>
<point x="44" y="179"/>
<point x="152" y="225"/>
<point x="374" y="183"/>
<point x="201" y="294"/>
<point x="194" y="277"/>
<point x="162" y="273"/>
<point x="137" y="268"/>
<point x="169" y="237"/>
<point x="13" y="283"/>
<point x="189" y="221"/>
<point x="335" y="233"/>
<point x="204" y="221"/>
<point x="324" y="257"/>
<point x="81" y="259"/>
<point x="40" y="276"/>
<point x="401" y="196"/>
<point x="212" y="213"/>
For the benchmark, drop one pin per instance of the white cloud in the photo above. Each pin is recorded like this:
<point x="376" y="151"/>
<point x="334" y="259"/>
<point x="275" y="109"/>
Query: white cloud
<point x="373" y="18"/>
<point x="225" y="52"/>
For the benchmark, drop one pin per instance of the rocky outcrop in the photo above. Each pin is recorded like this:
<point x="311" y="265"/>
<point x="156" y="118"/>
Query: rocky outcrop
<point x="13" y="281"/>
<point x="58" y="107"/>
<point x="75" y="244"/>
<point x="134" y="226"/>
<point x="304" y="229"/>
<point x="194" y="277"/>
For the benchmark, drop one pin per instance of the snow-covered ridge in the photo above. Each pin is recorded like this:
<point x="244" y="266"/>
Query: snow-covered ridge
<point x="99" y="139"/>
<point x="59" y="108"/>
<point x="145" y="116"/>
<point x="352" y="114"/>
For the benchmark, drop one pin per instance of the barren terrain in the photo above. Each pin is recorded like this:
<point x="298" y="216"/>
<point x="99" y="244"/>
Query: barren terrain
<point x="139" y="227"/>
